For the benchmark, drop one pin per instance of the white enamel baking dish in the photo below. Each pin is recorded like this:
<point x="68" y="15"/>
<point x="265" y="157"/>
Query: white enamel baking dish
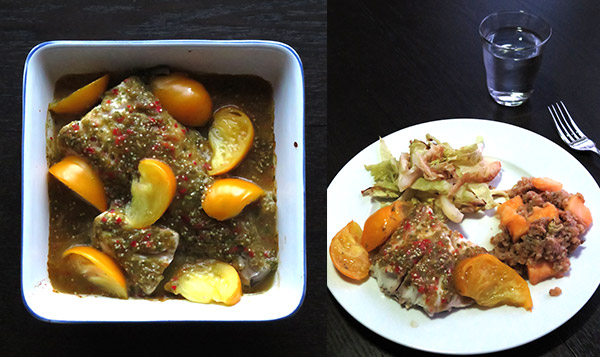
<point x="275" y="62"/>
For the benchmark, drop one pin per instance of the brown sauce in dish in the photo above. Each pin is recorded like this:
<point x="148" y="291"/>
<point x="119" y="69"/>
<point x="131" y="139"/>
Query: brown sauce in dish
<point x="71" y="218"/>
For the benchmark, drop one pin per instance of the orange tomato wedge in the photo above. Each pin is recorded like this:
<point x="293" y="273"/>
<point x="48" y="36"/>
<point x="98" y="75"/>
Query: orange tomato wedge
<point x="490" y="282"/>
<point x="81" y="99"/>
<point x="99" y="269"/>
<point x="230" y="136"/>
<point x="151" y="194"/>
<point x="207" y="281"/>
<point x="226" y="198"/>
<point x="381" y="224"/>
<point x="79" y="176"/>
<point x="348" y="256"/>
<point x="184" y="98"/>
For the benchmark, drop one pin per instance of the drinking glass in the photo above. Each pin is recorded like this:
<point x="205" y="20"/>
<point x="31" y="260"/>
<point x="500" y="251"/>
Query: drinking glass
<point x="513" y="42"/>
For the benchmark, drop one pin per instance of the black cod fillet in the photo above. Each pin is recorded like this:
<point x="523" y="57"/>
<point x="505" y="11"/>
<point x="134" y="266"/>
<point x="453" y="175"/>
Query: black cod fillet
<point x="414" y="266"/>
<point x="144" y="254"/>
<point x="129" y="125"/>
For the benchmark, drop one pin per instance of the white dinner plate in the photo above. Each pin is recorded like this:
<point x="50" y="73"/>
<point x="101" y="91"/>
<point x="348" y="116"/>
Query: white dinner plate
<point x="473" y="329"/>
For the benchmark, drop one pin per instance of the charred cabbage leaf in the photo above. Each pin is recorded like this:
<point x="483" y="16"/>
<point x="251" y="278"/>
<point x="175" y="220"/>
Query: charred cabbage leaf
<point x="455" y="180"/>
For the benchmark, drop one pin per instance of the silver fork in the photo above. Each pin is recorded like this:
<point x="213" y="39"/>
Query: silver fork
<point x="568" y="130"/>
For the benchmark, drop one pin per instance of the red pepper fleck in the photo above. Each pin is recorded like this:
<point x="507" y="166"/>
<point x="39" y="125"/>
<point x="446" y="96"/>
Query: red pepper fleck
<point x="421" y="289"/>
<point x="158" y="107"/>
<point x="90" y="150"/>
<point x="195" y="163"/>
<point x="173" y="287"/>
<point x="104" y="219"/>
<point x="182" y="190"/>
<point x="115" y="91"/>
<point x="177" y="126"/>
<point x="129" y="131"/>
<point x="184" y="177"/>
<point x="119" y="220"/>
<point x="134" y="243"/>
<point x="108" y="101"/>
<point x="75" y="126"/>
<point x="206" y="165"/>
<point x="266" y="254"/>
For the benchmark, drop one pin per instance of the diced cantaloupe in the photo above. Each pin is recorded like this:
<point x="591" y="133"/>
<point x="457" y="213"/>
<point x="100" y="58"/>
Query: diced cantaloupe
<point x="514" y="202"/>
<point x="549" y="210"/>
<point x="517" y="225"/>
<point x="576" y="206"/>
<point x="540" y="271"/>
<point x="546" y="184"/>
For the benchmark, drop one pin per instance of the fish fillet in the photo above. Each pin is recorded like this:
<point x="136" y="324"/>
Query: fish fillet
<point x="129" y="125"/>
<point x="414" y="267"/>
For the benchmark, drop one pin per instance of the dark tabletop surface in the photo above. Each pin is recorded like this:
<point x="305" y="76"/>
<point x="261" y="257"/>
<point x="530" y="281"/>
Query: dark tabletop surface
<point x="393" y="64"/>
<point x="24" y="24"/>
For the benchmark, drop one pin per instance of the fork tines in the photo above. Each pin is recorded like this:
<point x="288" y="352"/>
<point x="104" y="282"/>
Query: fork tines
<point x="567" y="129"/>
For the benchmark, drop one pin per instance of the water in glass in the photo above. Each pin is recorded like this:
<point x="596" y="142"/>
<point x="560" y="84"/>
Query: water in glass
<point x="512" y="59"/>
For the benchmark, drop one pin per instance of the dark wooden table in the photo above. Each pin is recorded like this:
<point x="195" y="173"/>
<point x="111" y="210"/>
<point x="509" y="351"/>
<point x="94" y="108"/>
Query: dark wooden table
<point x="393" y="64"/>
<point x="24" y="24"/>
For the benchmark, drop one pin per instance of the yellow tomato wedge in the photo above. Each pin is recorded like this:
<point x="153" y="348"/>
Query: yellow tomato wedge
<point x="79" y="176"/>
<point x="348" y="256"/>
<point x="490" y="282"/>
<point x="230" y="137"/>
<point x="81" y="99"/>
<point x="184" y="98"/>
<point x="227" y="197"/>
<point x="382" y="223"/>
<point x="207" y="281"/>
<point x="151" y="194"/>
<point x="99" y="269"/>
